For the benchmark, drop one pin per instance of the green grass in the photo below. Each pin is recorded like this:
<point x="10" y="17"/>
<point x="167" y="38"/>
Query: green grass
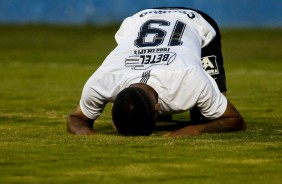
<point x="43" y="70"/>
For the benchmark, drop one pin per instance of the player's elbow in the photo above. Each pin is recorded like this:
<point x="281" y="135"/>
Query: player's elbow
<point x="69" y="125"/>
<point x="235" y="120"/>
<point x="239" y="124"/>
<point x="72" y="124"/>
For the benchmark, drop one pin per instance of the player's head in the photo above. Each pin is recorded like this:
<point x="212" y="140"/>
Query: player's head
<point x="134" y="112"/>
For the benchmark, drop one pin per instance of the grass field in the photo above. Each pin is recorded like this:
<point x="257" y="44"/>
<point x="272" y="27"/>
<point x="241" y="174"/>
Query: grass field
<point x="43" y="70"/>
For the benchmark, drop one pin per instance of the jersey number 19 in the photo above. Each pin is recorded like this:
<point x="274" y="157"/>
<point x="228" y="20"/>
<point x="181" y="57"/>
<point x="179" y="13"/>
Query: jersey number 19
<point x="158" y="35"/>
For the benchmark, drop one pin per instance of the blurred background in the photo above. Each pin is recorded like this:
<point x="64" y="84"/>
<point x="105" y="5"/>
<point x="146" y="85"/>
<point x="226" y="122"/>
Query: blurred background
<point x="49" y="48"/>
<point x="228" y="13"/>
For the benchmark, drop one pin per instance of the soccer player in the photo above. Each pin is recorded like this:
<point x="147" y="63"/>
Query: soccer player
<point x="167" y="61"/>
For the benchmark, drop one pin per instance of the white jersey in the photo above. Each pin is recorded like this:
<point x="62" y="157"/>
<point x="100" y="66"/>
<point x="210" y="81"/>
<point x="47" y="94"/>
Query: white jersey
<point x="161" y="48"/>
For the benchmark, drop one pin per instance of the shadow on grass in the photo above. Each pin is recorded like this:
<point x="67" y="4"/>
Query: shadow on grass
<point x="171" y="125"/>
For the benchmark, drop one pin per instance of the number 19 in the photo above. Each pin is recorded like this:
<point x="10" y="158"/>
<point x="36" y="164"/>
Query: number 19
<point x="159" y="34"/>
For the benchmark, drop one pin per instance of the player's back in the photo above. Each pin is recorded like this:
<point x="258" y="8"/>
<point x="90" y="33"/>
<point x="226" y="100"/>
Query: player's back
<point x="154" y="28"/>
<point x="156" y="37"/>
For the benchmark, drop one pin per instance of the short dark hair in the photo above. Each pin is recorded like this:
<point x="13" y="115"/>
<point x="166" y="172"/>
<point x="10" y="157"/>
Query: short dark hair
<point x="133" y="112"/>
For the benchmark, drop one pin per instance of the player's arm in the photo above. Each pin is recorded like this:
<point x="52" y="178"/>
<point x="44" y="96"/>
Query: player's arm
<point x="79" y="124"/>
<point x="230" y="121"/>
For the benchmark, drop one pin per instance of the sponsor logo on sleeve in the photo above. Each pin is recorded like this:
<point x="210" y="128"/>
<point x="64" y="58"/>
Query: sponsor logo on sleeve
<point x="210" y="65"/>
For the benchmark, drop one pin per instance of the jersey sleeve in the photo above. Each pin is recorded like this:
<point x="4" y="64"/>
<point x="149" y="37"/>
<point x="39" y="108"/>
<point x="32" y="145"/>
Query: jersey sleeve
<point x="91" y="107"/>
<point x="211" y="102"/>
<point x="92" y="103"/>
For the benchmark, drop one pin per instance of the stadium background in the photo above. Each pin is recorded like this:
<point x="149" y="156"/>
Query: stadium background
<point x="231" y="13"/>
